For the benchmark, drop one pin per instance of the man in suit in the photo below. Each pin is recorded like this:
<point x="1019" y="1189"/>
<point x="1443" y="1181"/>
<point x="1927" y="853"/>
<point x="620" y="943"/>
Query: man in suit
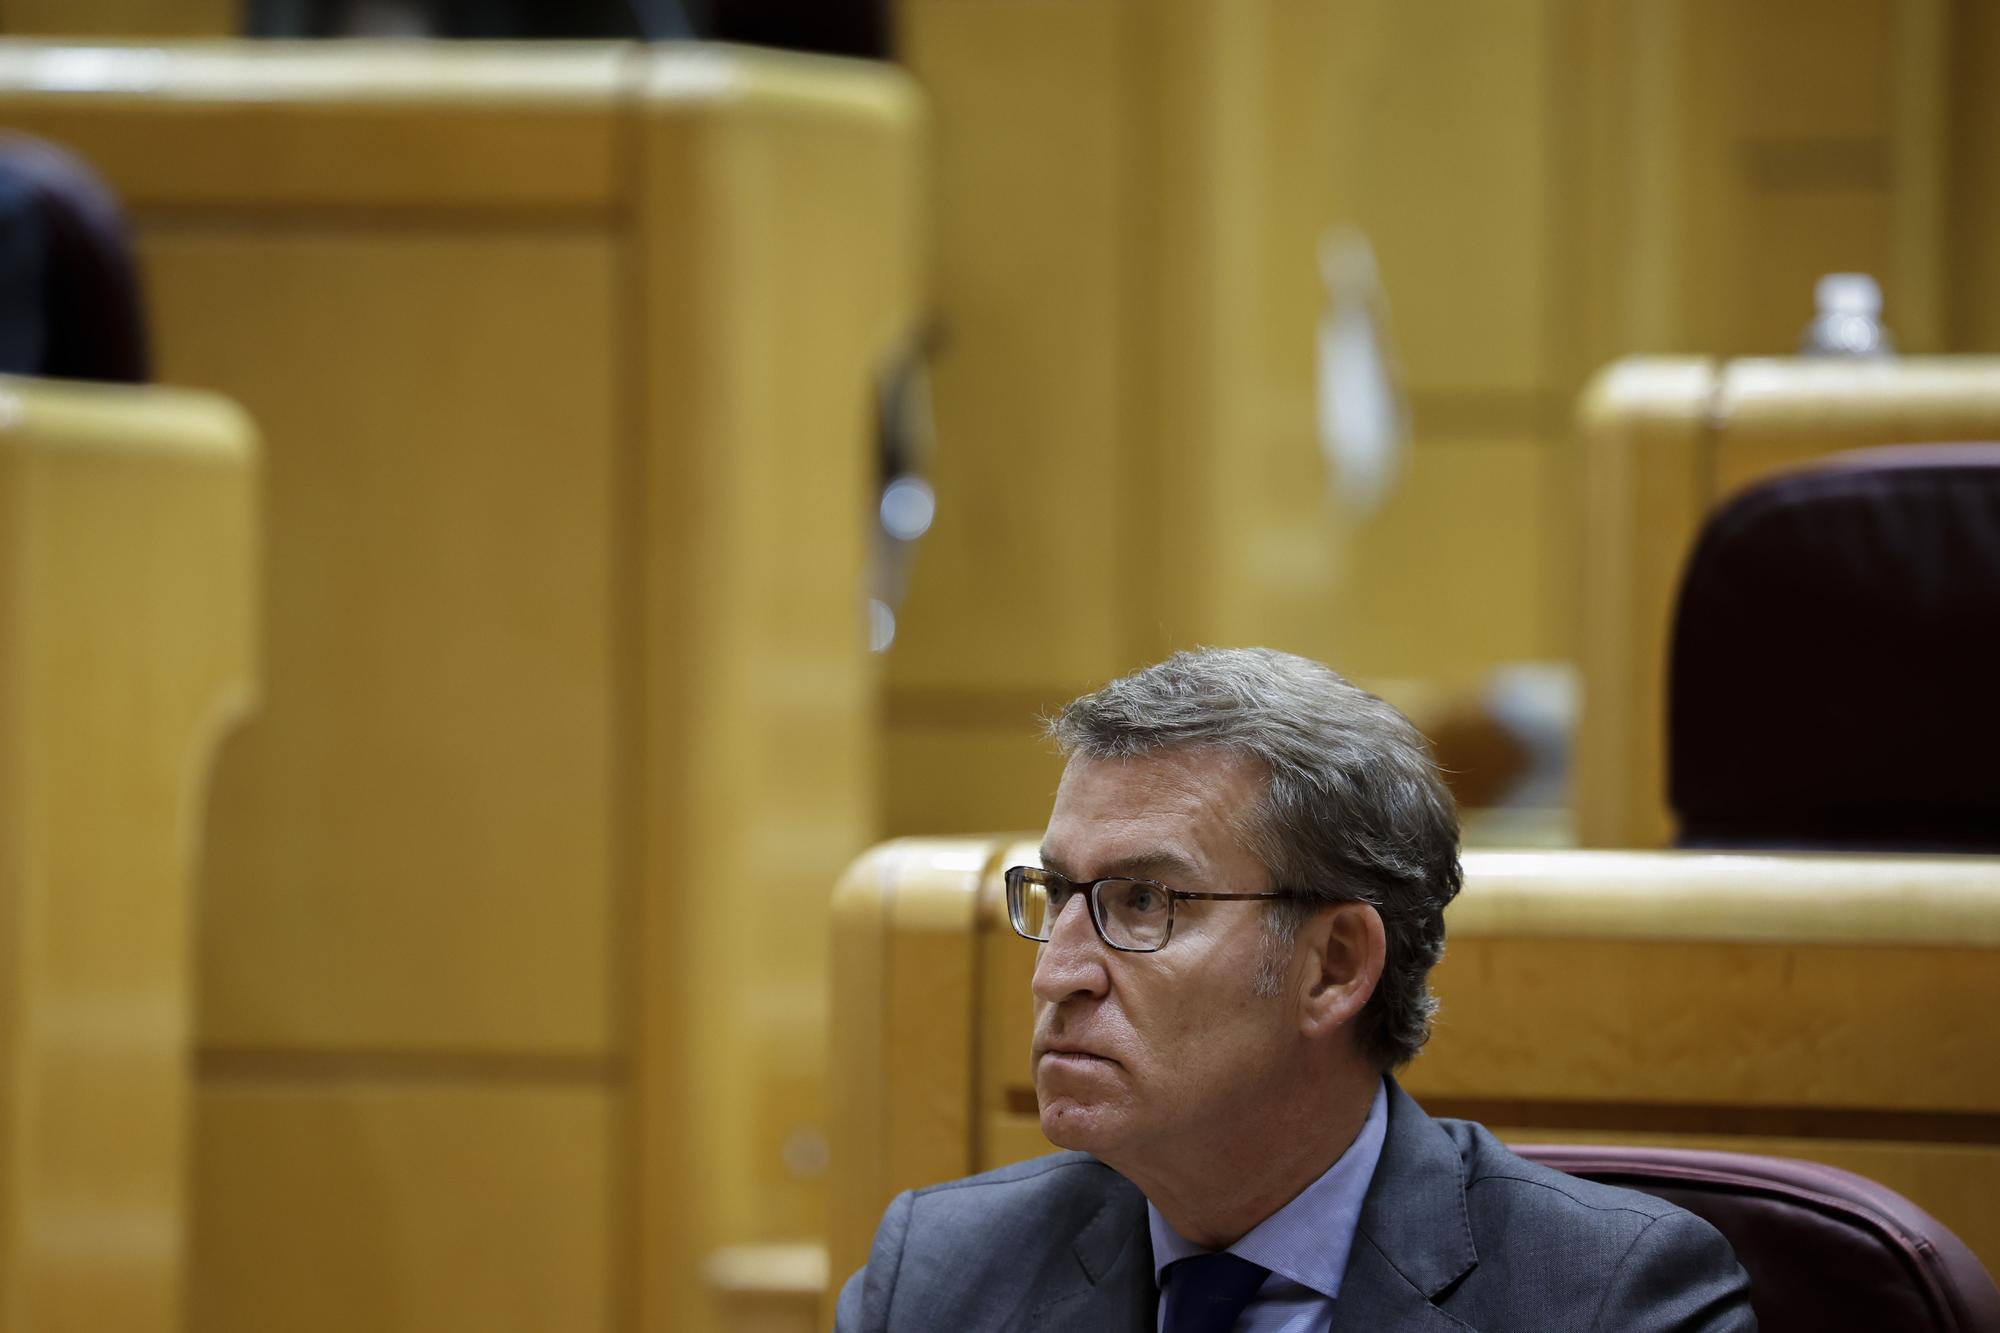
<point x="1240" y="899"/>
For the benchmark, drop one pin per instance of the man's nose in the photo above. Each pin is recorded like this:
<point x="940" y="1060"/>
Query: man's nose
<point x="1071" y="962"/>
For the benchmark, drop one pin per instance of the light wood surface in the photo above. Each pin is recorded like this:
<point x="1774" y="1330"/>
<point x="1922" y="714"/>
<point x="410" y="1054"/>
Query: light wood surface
<point x="1668" y="440"/>
<point x="441" y="630"/>
<point x="779" y="272"/>
<point x="1806" y="1006"/>
<point x="121" y="18"/>
<point x="128" y="565"/>
<point x="1130" y="285"/>
<point x="407" y="1180"/>
<point x="1550" y="186"/>
<point x="344" y="128"/>
<point x="569" y="357"/>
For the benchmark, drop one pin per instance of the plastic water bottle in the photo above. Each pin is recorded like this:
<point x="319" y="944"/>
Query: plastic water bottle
<point x="1849" y="322"/>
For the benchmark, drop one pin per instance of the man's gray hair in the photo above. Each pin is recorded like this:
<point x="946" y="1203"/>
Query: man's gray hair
<point x="1353" y="807"/>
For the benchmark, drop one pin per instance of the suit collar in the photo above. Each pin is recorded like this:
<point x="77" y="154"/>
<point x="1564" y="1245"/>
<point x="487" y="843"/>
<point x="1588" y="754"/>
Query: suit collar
<point x="1105" y="1279"/>
<point x="1414" y="1239"/>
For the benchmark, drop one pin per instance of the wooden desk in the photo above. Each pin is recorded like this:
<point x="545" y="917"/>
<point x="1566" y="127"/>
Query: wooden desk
<point x="1819" y="1007"/>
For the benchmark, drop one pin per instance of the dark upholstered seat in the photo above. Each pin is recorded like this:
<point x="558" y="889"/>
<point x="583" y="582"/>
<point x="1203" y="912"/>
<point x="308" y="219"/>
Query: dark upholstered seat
<point x="1827" y="1251"/>
<point x="69" y="289"/>
<point x="1834" y="679"/>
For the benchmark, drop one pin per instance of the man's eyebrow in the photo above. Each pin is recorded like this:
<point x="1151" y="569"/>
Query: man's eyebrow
<point x="1164" y="863"/>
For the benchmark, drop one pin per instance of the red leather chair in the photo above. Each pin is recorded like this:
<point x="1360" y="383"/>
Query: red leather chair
<point x="1827" y="1251"/>
<point x="1832" y="665"/>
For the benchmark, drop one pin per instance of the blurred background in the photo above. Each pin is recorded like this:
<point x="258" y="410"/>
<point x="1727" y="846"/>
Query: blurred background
<point x="504" y="502"/>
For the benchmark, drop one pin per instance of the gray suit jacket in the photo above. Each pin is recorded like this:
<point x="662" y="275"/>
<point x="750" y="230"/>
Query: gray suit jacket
<point x="1456" y="1233"/>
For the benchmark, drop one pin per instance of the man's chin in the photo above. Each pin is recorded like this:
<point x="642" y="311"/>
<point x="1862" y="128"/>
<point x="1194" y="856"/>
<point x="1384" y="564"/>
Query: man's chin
<point x="1081" y="1126"/>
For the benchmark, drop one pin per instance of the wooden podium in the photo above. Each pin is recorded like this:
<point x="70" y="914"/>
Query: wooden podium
<point x="513" y="935"/>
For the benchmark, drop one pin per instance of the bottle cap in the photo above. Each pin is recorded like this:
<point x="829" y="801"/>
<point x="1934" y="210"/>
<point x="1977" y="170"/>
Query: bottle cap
<point x="1848" y="294"/>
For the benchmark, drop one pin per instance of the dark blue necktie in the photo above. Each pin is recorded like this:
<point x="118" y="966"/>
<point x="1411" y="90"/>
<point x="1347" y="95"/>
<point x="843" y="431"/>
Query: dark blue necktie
<point x="1205" y="1294"/>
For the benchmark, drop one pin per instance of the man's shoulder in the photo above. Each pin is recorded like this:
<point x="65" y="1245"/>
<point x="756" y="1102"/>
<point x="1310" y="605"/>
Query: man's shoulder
<point x="975" y="1252"/>
<point x="1497" y="1177"/>
<point x="1602" y="1256"/>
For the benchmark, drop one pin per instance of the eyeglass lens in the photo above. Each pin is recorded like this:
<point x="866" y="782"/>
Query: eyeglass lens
<point x="1133" y="913"/>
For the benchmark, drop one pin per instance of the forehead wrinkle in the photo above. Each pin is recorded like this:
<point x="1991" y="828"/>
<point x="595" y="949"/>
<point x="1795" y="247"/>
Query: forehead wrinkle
<point x="1147" y="853"/>
<point x="1161" y="865"/>
<point x="1162" y="828"/>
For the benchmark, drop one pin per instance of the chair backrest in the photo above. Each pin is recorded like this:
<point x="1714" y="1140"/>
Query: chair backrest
<point x="1833" y="650"/>
<point x="129" y="559"/>
<point x="1666" y="442"/>
<point x="73" y="306"/>
<point x="1826" y="1250"/>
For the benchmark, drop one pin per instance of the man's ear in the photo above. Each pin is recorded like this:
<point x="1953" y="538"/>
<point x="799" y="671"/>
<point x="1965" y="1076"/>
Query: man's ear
<point x="1345" y="949"/>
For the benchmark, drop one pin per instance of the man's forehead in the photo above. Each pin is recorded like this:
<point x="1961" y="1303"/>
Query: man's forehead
<point x="1156" y="816"/>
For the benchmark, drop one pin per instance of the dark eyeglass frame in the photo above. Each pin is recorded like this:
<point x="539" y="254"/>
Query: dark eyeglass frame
<point x="1017" y="879"/>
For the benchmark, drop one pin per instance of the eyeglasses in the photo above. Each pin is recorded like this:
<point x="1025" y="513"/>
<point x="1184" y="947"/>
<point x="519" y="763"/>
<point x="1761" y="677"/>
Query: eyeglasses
<point x="1131" y="915"/>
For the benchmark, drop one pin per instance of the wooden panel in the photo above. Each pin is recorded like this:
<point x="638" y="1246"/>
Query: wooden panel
<point x="1000" y="767"/>
<point x="414" y="1206"/>
<point x="858" y="1080"/>
<point x="1474" y="516"/>
<point x="1131" y="291"/>
<point x="1031" y="290"/>
<point x="127" y="577"/>
<point x="771" y="1288"/>
<point x="1646" y="469"/>
<point x="1433" y="136"/>
<point x="350" y="127"/>
<point x="1742" y="151"/>
<point x="779" y="271"/>
<point x="1972" y="140"/>
<point x="122" y="18"/>
<point x="907" y="1000"/>
<point x="1782" y="414"/>
<point x="410" y="846"/>
<point x="1787" y="117"/>
<point x="1716" y="1024"/>
<point x="1246" y="168"/>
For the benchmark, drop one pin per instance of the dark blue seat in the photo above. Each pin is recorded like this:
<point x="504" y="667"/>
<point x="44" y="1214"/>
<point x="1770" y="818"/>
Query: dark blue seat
<point x="70" y="305"/>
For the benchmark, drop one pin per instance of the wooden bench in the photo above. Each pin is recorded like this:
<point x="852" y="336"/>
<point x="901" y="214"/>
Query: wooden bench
<point x="128" y="571"/>
<point x="1826" y="1007"/>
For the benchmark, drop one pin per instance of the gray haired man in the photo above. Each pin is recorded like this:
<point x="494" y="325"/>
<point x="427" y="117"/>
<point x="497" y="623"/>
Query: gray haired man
<point x="1240" y="897"/>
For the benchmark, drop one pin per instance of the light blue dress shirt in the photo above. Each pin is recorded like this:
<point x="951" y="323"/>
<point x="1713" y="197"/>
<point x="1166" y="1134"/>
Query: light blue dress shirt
<point x="1304" y="1244"/>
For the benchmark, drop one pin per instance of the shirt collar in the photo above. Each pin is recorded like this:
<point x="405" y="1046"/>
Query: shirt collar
<point x="1306" y="1241"/>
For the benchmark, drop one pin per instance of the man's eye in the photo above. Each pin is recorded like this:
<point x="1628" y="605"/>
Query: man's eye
<point x="1143" y="899"/>
<point x="1058" y="894"/>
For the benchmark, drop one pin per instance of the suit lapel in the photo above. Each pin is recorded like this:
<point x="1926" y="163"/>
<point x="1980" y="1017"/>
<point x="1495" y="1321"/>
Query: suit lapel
<point x="1376" y="1298"/>
<point x="1105" y="1279"/>
<point x="1414" y="1239"/>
